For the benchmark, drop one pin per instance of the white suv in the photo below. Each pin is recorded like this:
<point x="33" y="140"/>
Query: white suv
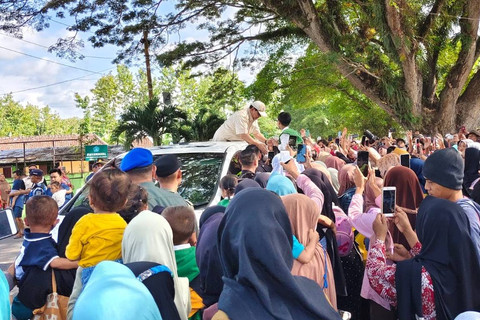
<point x="203" y="165"/>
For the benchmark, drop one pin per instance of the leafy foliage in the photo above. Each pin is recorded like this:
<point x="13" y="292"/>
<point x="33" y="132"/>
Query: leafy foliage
<point x="29" y="120"/>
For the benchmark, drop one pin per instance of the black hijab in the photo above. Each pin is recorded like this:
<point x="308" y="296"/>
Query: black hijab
<point x="210" y="211"/>
<point x="262" y="178"/>
<point x="255" y="247"/>
<point x="330" y="196"/>
<point x="160" y="286"/>
<point x="245" y="184"/>
<point x="472" y="165"/>
<point x="449" y="256"/>
<point x="208" y="260"/>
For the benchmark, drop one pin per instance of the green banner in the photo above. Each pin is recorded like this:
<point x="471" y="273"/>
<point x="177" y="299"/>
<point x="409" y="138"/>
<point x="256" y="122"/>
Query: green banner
<point x="96" y="152"/>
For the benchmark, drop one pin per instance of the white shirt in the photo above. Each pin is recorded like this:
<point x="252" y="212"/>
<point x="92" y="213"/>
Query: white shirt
<point x="59" y="197"/>
<point x="241" y="122"/>
<point x="284" y="139"/>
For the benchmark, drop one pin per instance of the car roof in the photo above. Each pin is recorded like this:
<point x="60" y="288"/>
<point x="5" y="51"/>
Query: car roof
<point x="196" y="147"/>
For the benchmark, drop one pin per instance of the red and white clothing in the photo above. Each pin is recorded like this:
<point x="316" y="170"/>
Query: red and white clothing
<point x="382" y="278"/>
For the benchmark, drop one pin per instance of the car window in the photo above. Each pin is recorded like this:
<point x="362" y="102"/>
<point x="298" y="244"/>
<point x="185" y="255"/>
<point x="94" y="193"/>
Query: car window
<point x="200" y="176"/>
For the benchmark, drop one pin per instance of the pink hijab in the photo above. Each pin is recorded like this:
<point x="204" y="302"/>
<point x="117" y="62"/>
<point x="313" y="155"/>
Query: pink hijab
<point x="303" y="213"/>
<point x="334" y="162"/>
<point x="345" y="178"/>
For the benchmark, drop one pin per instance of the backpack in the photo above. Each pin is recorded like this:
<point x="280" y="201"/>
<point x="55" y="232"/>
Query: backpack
<point x="344" y="234"/>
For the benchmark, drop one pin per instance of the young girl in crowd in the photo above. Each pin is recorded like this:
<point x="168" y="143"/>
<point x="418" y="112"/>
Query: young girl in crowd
<point x="98" y="236"/>
<point x="228" y="184"/>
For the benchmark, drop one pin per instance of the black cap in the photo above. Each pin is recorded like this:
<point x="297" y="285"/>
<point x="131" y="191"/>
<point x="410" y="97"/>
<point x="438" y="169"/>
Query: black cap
<point x="166" y="165"/>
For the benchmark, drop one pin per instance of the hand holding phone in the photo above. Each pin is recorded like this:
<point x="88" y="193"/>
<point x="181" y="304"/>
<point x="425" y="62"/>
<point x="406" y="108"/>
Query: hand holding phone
<point x="362" y="162"/>
<point x="405" y="160"/>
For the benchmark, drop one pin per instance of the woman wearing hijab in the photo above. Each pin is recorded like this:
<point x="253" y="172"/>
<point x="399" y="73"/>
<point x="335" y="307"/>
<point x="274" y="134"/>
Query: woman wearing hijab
<point x="245" y="184"/>
<point x="334" y="179"/>
<point x="334" y="162"/>
<point x="208" y="262"/>
<point x="472" y="166"/>
<point x="440" y="280"/>
<point x="159" y="281"/>
<point x="5" y="312"/>
<point x="303" y="214"/>
<point x="149" y="237"/>
<point x="210" y="211"/>
<point x="409" y="195"/>
<point x="416" y="164"/>
<point x="262" y="178"/>
<point x="113" y="292"/>
<point x="207" y="258"/>
<point x="362" y="221"/>
<point x="281" y="185"/>
<point x="345" y="178"/>
<point x="255" y="247"/>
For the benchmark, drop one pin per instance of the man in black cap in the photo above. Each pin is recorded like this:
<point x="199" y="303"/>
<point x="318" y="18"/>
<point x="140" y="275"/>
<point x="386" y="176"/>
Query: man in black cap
<point x="443" y="172"/>
<point x="169" y="176"/>
<point x="38" y="187"/>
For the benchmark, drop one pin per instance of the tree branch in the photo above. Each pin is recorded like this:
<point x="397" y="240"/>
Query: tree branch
<point x="430" y="19"/>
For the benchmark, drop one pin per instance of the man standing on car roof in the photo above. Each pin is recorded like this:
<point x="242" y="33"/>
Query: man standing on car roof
<point x="138" y="164"/>
<point x="242" y="124"/>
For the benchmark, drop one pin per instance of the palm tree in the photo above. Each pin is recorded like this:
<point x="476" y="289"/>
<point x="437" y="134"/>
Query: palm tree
<point x="141" y="121"/>
<point x="204" y="125"/>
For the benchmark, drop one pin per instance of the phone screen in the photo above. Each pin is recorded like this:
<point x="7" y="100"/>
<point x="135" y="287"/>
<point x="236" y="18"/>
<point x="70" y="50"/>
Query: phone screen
<point x="7" y="224"/>
<point x="307" y="133"/>
<point x="271" y="154"/>
<point x="337" y="141"/>
<point x="388" y="201"/>
<point x="362" y="162"/>
<point x="292" y="142"/>
<point x="301" y="149"/>
<point x="405" y="160"/>
<point x="364" y="141"/>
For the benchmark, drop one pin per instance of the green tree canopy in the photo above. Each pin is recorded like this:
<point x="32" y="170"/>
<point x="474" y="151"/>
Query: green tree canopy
<point x="414" y="59"/>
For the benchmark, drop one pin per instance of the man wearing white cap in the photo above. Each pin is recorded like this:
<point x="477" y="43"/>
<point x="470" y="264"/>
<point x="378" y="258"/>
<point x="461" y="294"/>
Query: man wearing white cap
<point x="242" y="124"/>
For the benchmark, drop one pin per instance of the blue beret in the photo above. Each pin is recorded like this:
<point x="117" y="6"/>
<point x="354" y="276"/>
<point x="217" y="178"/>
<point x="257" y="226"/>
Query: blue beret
<point x="166" y="165"/>
<point x="136" y="158"/>
<point x="36" y="172"/>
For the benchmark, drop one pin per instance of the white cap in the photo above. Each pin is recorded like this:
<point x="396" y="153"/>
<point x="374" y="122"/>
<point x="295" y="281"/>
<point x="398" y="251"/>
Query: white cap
<point x="260" y="106"/>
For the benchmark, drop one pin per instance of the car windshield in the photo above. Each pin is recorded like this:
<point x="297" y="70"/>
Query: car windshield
<point x="200" y="175"/>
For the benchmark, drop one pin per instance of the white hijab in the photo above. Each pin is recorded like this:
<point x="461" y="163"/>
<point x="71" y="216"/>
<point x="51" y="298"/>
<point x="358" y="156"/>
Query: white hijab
<point x="148" y="237"/>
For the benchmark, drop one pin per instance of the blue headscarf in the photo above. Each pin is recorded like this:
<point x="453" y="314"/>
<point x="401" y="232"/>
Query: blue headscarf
<point x="4" y="298"/>
<point x="113" y="292"/>
<point x="281" y="185"/>
<point x="255" y="247"/>
<point x="416" y="165"/>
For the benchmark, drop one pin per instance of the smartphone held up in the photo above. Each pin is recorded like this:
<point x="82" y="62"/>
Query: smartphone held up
<point x="362" y="162"/>
<point x="388" y="201"/>
<point x="7" y="224"/>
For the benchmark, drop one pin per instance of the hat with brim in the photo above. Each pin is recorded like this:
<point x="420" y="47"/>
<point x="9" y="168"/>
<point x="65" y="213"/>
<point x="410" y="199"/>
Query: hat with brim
<point x="260" y="106"/>
<point x="36" y="172"/>
<point x="474" y="133"/>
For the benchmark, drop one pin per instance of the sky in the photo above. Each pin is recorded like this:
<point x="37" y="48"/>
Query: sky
<point x="33" y="75"/>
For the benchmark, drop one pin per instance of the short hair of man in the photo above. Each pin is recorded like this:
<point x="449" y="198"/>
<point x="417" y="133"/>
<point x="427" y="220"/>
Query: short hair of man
<point x="141" y="171"/>
<point x="284" y="118"/>
<point x="18" y="172"/>
<point x="182" y="221"/>
<point x="247" y="158"/>
<point x="41" y="211"/>
<point x="56" y="170"/>
<point x="253" y="148"/>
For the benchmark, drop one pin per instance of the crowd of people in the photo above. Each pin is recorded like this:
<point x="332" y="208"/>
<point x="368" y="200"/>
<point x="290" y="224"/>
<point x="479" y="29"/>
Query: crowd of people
<point x="300" y="233"/>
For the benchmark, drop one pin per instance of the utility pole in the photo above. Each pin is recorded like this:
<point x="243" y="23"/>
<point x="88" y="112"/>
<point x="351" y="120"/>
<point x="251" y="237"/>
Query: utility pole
<point x="147" y="62"/>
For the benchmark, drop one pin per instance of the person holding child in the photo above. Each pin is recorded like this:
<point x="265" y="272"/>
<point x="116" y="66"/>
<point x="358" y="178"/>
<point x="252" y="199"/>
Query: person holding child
<point x="98" y="236"/>
<point x="39" y="252"/>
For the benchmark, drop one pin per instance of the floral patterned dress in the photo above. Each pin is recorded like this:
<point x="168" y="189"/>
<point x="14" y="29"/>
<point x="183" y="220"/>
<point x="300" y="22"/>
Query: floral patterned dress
<point x="382" y="278"/>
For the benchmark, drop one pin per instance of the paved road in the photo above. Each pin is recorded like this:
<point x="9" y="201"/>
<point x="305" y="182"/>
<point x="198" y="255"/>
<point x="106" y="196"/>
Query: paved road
<point x="9" y="249"/>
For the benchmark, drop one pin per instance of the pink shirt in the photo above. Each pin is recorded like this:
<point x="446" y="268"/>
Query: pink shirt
<point x="363" y="221"/>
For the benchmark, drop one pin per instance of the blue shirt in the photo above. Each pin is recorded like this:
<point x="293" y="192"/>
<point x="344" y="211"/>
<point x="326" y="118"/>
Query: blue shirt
<point x="38" y="250"/>
<point x="472" y="211"/>
<point x="38" y="189"/>
<point x="297" y="248"/>
<point x="19" y="185"/>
